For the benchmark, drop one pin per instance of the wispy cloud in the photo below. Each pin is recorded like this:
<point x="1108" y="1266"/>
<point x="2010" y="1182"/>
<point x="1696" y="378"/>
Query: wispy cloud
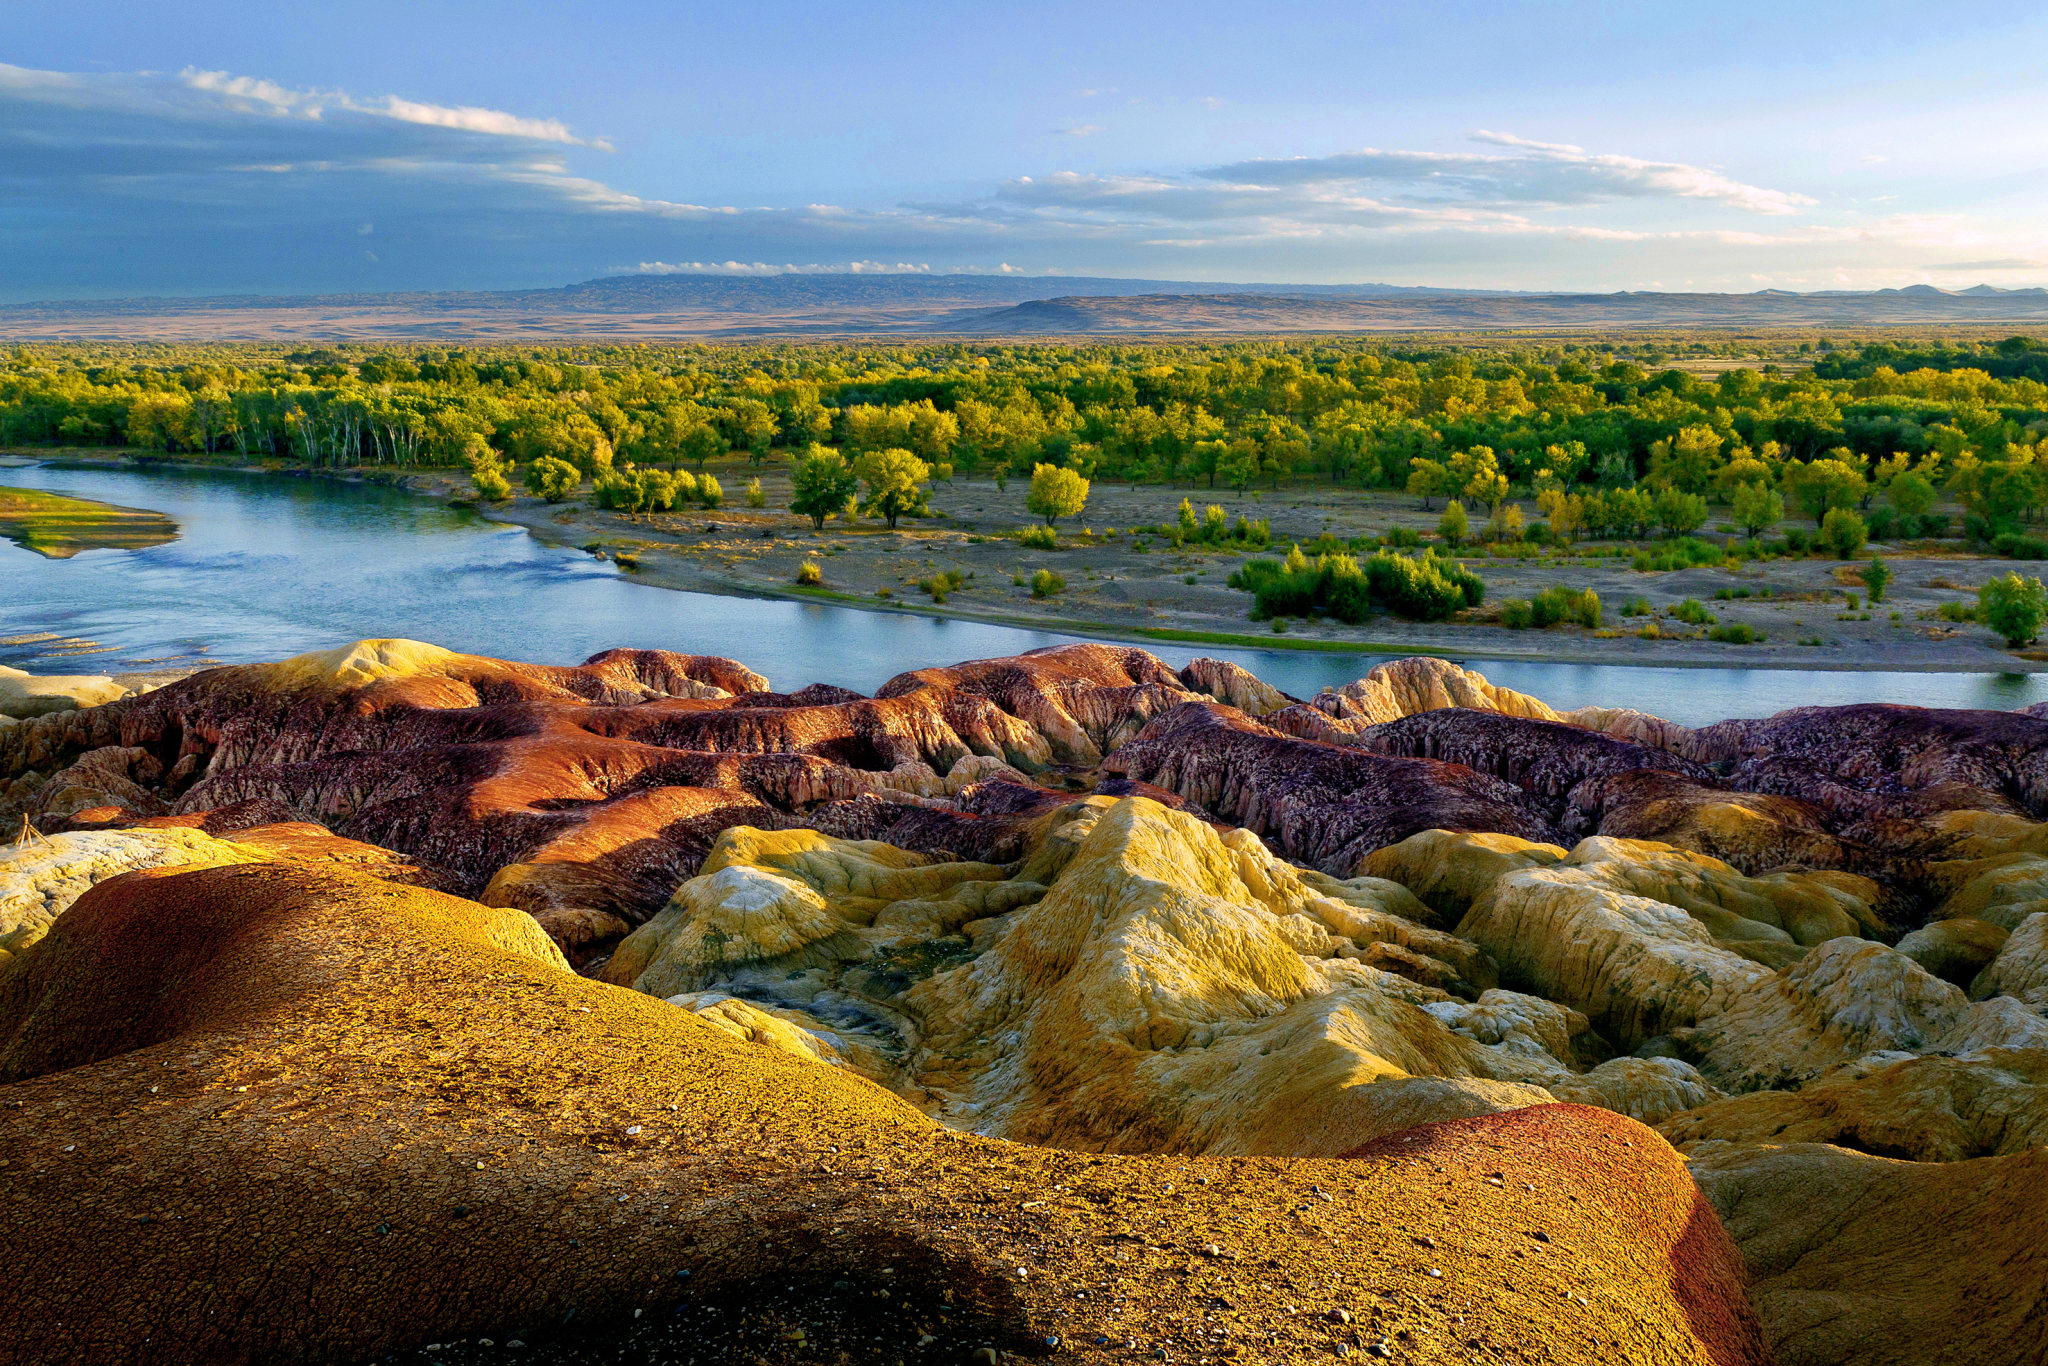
<point x="1537" y="174"/>
<point x="1080" y="130"/>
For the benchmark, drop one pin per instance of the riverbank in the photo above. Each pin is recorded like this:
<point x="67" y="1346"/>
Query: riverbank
<point x="1121" y="584"/>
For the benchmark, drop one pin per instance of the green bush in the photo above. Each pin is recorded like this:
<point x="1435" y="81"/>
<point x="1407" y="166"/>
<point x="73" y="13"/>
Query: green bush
<point x="1637" y="607"/>
<point x="1876" y="575"/>
<point x="809" y="574"/>
<point x="1560" y="604"/>
<point x="1693" y="613"/>
<point x="1843" y="532"/>
<point x="1404" y="538"/>
<point x="1038" y="538"/>
<point x="939" y="585"/>
<point x="2014" y="546"/>
<point x="1422" y="588"/>
<point x="1735" y="633"/>
<point x="1516" y="614"/>
<point x="2014" y="607"/>
<point x="552" y="479"/>
<point x="1687" y="552"/>
<point x="1046" y="584"/>
<point x="490" y="482"/>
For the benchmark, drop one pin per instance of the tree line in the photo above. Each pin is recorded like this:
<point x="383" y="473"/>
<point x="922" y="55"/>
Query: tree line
<point x="1473" y="424"/>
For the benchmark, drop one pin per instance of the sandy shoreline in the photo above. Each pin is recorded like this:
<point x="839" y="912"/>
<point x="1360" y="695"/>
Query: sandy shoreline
<point x="1116" y="591"/>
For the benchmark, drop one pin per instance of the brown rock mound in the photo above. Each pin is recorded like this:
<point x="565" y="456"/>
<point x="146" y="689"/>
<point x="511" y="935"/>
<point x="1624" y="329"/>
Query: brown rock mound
<point x="298" y="1115"/>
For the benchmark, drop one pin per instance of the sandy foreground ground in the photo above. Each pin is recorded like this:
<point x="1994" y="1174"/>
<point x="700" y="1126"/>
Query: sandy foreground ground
<point x="1115" y="589"/>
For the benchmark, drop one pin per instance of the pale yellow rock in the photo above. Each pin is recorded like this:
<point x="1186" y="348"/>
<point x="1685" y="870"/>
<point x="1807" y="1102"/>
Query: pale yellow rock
<point x="360" y="664"/>
<point x="1160" y="996"/>
<point x="1954" y="950"/>
<point x="1403" y="687"/>
<point x="1843" y="1000"/>
<point x="2003" y="889"/>
<point x="1987" y="834"/>
<point x="1648" y="1090"/>
<point x="1449" y="871"/>
<point x="1234" y="686"/>
<point x="24" y="694"/>
<point x="1626" y="723"/>
<point x="1637" y="966"/>
<point x="1806" y="908"/>
<point x="42" y="876"/>
<point x="2021" y="968"/>
<point x="1927" y="1109"/>
<point x="799" y="899"/>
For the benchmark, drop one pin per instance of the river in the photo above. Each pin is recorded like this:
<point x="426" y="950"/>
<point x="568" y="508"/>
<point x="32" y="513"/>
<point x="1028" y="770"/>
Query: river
<point x="268" y="566"/>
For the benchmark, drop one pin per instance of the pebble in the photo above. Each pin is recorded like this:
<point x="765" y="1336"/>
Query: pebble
<point x="1380" y="1349"/>
<point x="1023" y="1273"/>
<point x="1540" y="1236"/>
<point x="1435" y="1273"/>
<point x="984" y="1356"/>
<point x="1426" y="1241"/>
<point x="1340" y="1316"/>
<point x="1212" y="1250"/>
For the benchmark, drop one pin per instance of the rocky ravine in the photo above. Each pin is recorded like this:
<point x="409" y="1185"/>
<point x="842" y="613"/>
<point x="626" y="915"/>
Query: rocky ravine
<point x="1059" y="1004"/>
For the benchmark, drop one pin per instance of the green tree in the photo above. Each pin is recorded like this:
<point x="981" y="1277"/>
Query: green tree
<point x="2014" y="607"/>
<point x="1454" y="526"/>
<point x="1687" y="461"/>
<point x="820" y="482"/>
<point x="1910" y="494"/>
<point x="1239" y="464"/>
<point x="895" y="481"/>
<point x="1056" y="493"/>
<point x="1843" y="532"/>
<point x="1428" y="479"/>
<point x="1823" y="485"/>
<point x="552" y="479"/>
<point x="1679" y="512"/>
<point x="1876" y="575"/>
<point x="1757" y="508"/>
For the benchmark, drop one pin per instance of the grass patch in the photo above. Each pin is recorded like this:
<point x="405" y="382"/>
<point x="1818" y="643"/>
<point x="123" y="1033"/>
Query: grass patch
<point x="57" y="527"/>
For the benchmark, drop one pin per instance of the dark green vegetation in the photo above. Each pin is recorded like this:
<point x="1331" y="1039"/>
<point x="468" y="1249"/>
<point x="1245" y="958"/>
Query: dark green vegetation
<point x="1607" y="439"/>
<point x="58" y="527"/>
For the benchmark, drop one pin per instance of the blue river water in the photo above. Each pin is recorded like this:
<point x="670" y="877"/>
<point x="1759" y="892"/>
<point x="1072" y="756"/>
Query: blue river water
<point x="267" y="566"/>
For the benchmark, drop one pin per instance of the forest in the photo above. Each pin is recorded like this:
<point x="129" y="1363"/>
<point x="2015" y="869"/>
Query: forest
<point x="1597" y="433"/>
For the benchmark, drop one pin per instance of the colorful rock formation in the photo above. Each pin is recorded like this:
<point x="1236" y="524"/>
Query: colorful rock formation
<point x="963" y="976"/>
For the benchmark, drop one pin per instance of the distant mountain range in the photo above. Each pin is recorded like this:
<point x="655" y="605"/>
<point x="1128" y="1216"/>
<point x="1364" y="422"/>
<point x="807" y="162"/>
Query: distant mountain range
<point x="653" y="307"/>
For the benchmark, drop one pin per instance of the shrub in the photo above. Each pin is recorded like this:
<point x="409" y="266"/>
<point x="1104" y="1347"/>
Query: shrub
<point x="756" y="496"/>
<point x="1038" y="538"/>
<point x="708" y="491"/>
<point x="1421" y="588"/>
<point x="1693" y="613"/>
<point x="939" y="585"/>
<point x="552" y="479"/>
<point x="1876" y="575"/>
<point x="1516" y="614"/>
<point x="1537" y="533"/>
<point x="1796" y="540"/>
<point x="1637" y="607"/>
<point x="2014" y="546"/>
<point x="1735" y="633"/>
<point x="1404" y="537"/>
<point x="1687" y="552"/>
<point x="2014" y="607"/>
<point x="809" y="574"/>
<point x="1957" y="611"/>
<point x="1454" y="525"/>
<point x="490" y="482"/>
<point x="1560" y="604"/>
<point x="1843" y="532"/>
<point x="1884" y="523"/>
<point x="1046" y="584"/>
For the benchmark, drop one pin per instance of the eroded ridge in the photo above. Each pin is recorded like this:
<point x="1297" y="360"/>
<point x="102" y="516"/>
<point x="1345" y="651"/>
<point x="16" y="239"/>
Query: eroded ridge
<point x="1066" y="1003"/>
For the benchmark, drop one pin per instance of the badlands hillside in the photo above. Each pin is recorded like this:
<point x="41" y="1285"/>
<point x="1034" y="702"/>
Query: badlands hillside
<point x="395" y="1004"/>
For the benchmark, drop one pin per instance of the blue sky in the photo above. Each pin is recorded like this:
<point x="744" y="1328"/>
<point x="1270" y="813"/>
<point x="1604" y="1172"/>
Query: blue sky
<point x="232" y="147"/>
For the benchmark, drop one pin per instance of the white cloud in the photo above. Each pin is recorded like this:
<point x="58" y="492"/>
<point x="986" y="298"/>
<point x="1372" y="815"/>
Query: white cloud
<point x="1080" y="130"/>
<point x="1546" y="174"/>
<point x="253" y="93"/>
